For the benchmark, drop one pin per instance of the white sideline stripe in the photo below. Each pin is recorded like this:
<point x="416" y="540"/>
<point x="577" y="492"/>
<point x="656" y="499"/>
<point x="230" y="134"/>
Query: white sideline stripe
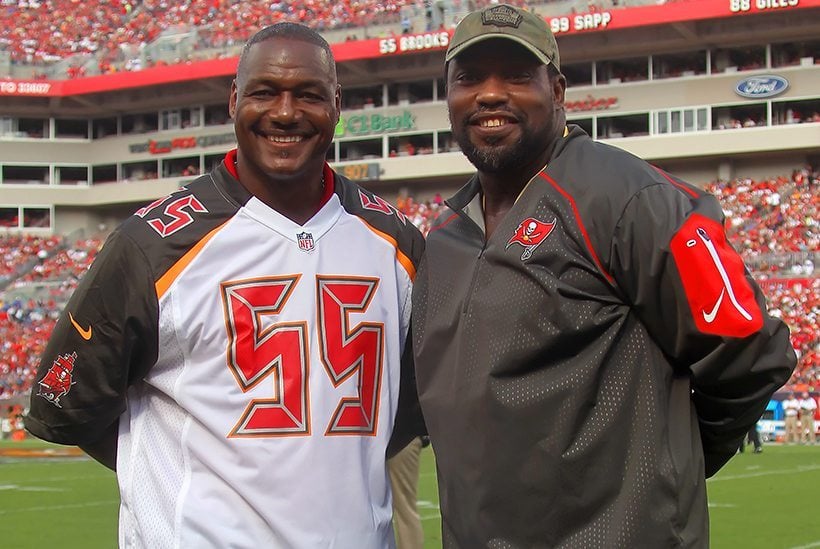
<point x="39" y="481"/>
<point x="58" y="507"/>
<point x="809" y="546"/>
<point x="19" y="488"/>
<point x="766" y="474"/>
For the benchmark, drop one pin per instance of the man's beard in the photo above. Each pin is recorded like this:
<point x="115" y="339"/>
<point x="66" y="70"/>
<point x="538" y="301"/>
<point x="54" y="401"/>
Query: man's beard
<point x="497" y="158"/>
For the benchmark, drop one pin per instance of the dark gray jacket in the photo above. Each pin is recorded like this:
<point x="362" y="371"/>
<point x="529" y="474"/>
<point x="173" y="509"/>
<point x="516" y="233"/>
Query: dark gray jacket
<point x="584" y="371"/>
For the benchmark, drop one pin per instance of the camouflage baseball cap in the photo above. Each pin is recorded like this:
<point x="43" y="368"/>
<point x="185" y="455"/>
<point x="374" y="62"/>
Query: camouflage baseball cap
<point x="504" y="21"/>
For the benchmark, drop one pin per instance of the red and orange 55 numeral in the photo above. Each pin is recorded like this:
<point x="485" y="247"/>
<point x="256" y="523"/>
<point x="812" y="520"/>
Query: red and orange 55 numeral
<point x="280" y="350"/>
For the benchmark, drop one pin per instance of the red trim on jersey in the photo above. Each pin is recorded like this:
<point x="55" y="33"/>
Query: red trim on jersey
<point x="584" y="233"/>
<point x="684" y="188"/>
<point x="230" y="163"/>
<point x="721" y="299"/>
<point x="443" y="223"/>
<point x="327" y="175"/>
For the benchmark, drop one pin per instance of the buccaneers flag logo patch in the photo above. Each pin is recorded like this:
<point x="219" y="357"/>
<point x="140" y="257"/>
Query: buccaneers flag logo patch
<point x="530" y="234"/>
<point x="720" y="297"/>
<point x="58" y="380"/>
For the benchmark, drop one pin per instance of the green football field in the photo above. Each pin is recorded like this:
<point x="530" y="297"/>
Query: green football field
<point x="758" y="501"/>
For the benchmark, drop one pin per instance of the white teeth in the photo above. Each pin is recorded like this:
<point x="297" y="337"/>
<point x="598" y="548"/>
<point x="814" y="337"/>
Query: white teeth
<point x="285" y="138"/>
<point x="495" y="122"/>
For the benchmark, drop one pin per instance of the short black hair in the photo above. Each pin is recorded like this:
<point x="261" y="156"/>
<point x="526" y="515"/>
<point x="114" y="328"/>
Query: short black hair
<point x="293" y="31"/>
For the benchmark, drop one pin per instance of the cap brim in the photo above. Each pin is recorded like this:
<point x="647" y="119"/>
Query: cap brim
<point x="451" y="53"/>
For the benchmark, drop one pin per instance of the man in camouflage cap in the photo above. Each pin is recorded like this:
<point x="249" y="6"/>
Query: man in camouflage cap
<point x="588" y="346"/>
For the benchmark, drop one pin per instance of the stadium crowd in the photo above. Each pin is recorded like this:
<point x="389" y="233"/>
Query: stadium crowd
<point x="42" y="32"/>
<point x="39" y="32"/>
<point x="772" y="216"/>
<point x="18" y="250"/>
<point x="773" y="222"/>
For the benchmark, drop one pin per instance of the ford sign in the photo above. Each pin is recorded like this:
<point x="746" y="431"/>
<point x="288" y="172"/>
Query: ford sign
<point x="765" y="85"/>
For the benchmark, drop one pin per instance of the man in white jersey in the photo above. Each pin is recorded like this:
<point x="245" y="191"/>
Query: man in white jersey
<point x="238" y="349"/>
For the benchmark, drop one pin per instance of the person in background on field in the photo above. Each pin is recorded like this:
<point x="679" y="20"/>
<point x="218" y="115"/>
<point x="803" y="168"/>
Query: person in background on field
<point x="808" y="407"/>
<point x="791" y="410"/>
<point x="404" y="479"/>
<point x="239" y="350"/>
<point x="752" y="437"/>
<point x="589" y="348"/>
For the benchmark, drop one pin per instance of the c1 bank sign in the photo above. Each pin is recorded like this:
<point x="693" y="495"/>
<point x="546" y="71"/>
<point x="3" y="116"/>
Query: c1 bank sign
<point x="366" y="124"/>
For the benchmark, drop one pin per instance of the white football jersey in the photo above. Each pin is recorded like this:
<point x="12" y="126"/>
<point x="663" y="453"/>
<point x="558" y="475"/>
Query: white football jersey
<point x="255" y="363"/>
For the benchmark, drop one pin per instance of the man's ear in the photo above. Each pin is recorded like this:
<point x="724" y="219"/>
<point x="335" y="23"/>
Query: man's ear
<point x="232" y="100"/>
<point x="338" y="100"/>
<point x="559" y="88"/>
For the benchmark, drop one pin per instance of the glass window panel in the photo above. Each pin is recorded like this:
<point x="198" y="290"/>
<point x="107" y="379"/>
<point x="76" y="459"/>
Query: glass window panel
<point x="676" y="120"/>
<point x="662" y="122"/>
<point x="703" y="122"/>
<point x="688" y="120"/>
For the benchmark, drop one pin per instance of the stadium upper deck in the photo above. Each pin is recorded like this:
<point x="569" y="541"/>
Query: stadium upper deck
<point x="705" y="88"/>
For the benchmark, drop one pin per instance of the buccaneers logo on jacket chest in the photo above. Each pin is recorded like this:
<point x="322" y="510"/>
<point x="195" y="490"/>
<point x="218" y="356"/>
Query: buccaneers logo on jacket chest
<point x="530" y="234"/>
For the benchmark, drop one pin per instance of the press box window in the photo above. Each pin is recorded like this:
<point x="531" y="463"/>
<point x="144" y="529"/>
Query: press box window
<point x="180" y="167"/>
<point x="614" y="71"/>
<point x="407" y="93"/>
<point x="738" y="59"/>
<point x="36" y="128"/>
<point x="363" y="97"/>
<point x="139" y="171"/>
<point x="176" y="119"/>
<point x="623" y="126"/>
<point x="36" y="218"/>
<point x="411" y="145"/>
<point x="10" y="217"/>
<point x="358" y="150"/>
<point x="739" y="116"/>
<point x="579" y="74"/>
<point x="795" y="112"/>
<point x="104" y="127"/>
<point x="71" y="175"/>
<point x="789" y="54"/>
<point x="140" y="123"/>
<point x="104" y="174"/>
<point x="216" y="115"/>
<point x="675" y="65"/>
<point x="70" y="129"/>
<point x="25" y="175"/>
<point x="447" y="143"/>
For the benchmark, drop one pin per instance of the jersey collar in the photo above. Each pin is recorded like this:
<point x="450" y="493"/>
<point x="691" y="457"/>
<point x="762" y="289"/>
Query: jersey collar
<point x="328" y="176"/>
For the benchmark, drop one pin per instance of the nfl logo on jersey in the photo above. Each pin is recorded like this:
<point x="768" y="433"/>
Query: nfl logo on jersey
<point x="305" y="241"/>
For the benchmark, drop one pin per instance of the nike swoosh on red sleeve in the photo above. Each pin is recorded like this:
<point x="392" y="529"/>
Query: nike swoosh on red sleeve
<point x="721" y="299"/>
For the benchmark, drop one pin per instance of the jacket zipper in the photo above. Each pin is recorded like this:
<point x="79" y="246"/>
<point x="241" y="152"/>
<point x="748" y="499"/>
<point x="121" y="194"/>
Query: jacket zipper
<point x="473" y="280"/>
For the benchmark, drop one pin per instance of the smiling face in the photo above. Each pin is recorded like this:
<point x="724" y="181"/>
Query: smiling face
<point x="505" y="108"/>
<point x="285" y="102"/>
